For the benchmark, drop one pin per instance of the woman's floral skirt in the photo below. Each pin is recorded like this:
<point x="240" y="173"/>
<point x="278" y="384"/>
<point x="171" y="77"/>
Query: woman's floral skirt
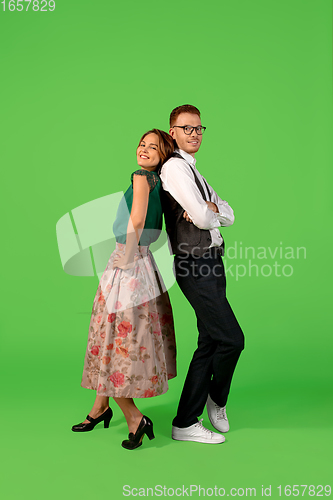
<point x="131" y="349"/>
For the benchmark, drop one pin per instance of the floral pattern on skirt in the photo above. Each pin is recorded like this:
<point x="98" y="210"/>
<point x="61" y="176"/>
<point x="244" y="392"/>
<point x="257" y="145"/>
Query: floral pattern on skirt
<point x="131" y="350"/>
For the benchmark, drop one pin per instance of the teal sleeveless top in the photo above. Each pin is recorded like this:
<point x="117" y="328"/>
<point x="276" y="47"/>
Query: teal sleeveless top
<point x="153" y="223"/>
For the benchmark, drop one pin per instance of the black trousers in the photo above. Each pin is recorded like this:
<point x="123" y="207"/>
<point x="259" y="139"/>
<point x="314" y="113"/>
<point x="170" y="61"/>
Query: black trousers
<point x="220" y="341"/>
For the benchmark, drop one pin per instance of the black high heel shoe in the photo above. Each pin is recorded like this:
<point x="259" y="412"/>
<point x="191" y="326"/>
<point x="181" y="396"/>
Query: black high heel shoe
<point x="106" y="416"/>
<point x="135" y="440"/>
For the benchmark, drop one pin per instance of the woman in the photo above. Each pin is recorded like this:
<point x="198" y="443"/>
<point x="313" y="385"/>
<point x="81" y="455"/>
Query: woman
<point x="131" y="344"/>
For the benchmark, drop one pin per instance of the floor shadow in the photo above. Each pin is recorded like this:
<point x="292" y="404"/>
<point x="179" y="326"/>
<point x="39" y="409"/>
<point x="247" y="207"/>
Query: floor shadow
<point x="275" y="407"/>
<point x="281" y="407"/>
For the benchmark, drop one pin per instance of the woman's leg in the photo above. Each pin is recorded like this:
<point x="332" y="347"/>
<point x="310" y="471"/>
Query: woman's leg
<point x="100" y="405"/>
<point x="131" y="412"/>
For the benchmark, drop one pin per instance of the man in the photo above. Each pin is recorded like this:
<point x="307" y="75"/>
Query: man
<point x="193" y="212"/>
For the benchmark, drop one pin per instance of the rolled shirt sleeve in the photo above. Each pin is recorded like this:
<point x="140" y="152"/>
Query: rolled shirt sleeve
<point x="226" y="214"/>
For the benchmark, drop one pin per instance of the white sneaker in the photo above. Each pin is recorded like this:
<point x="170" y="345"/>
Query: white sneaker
<point x="217" y="415"/>
<point x="196" y="432"/>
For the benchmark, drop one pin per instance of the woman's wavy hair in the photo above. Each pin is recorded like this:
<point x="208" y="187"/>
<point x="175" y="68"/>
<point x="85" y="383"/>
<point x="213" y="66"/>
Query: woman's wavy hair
<point x="166" y="145"/>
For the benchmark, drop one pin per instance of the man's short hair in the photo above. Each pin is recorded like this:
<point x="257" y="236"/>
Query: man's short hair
<point x="185" y="108"/>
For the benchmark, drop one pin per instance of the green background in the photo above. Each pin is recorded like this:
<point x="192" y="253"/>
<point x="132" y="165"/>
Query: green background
<point x="78" y="87"/>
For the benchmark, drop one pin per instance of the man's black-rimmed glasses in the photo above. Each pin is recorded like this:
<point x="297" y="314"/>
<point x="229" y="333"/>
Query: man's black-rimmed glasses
<point x="188" y="129"/>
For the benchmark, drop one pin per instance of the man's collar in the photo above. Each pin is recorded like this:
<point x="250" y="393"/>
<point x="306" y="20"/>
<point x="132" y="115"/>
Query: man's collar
<point x="189" y="158"/>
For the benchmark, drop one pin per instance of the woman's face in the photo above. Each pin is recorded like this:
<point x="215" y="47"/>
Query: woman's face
<point x="147" y="154"/>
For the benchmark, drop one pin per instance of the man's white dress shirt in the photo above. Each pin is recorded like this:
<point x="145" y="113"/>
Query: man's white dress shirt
<point x="177" y="178"/>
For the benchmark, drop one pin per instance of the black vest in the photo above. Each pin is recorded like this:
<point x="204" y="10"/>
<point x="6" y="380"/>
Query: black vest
<point x="185" y="237"/>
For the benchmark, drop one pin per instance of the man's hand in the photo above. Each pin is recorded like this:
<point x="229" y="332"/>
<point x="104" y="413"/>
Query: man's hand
<point x="212" y="206"/>
<point x="187" y="217"/>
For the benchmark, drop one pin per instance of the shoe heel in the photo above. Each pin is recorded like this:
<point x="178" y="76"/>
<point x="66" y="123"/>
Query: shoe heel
<point x="150" y="433"/>
<point x="107" y="420"/>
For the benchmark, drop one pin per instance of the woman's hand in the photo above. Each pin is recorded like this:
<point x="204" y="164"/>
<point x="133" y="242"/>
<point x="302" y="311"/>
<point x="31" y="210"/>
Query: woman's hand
<point x="121" y="262"/>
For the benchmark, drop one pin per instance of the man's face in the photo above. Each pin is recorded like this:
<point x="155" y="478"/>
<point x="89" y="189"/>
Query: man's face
<point x="188" y="143"/>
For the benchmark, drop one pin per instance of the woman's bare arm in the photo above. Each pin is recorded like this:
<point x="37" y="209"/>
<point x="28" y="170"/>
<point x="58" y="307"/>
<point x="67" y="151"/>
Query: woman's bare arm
<point x="136" y="221"/>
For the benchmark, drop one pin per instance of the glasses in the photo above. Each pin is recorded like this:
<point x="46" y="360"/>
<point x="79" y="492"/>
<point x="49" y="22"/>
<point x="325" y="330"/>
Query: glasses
<point x="188" y="129"/>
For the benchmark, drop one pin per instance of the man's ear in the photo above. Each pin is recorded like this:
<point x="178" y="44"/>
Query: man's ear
<point x="172" y="132"/>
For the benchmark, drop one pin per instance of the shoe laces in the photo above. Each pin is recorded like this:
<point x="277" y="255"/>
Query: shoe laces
<point x="220" y="412"/>
<point x="201" y="427"/>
